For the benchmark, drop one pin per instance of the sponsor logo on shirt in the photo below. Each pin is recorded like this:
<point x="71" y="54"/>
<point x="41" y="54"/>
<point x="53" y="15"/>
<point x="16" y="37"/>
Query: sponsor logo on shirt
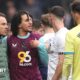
<point x="25" y="58"/>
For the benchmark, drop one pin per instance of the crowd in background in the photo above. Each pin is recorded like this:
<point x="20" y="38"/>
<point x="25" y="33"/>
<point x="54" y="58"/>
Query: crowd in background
<point x="36" y="8"/>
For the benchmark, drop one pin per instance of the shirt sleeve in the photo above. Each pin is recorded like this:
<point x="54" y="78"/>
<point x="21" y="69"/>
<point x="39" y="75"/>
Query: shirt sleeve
<point x="68" y="57"/>
<point x="43" y="52"/>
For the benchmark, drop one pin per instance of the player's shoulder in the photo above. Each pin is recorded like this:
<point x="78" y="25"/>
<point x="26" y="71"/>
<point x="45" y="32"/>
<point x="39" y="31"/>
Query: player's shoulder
<point x="74" y="31"/>
<point x="62" y="31"/>
<point x="4" y="39"/>
<point x="35" y="35"/>
<point x="11" y="38"/>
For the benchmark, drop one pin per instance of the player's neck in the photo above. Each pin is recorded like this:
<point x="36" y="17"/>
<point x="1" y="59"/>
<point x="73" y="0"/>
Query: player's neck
<point x="23" y="33"/>
<point x="61" y="25"/>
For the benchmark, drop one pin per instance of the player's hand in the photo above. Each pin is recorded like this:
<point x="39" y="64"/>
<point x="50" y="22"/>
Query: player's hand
<point x="34" y="43"/>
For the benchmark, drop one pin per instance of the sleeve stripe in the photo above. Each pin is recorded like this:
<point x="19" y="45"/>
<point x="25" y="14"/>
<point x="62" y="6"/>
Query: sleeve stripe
<point x="68" y="52"/>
